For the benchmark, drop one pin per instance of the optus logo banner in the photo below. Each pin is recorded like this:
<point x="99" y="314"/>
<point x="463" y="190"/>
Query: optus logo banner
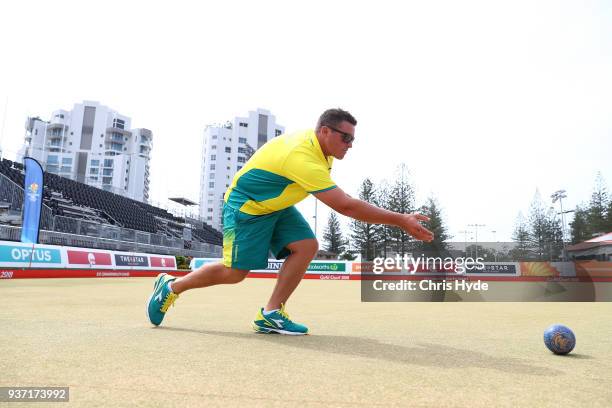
<point x="25" y="254"/>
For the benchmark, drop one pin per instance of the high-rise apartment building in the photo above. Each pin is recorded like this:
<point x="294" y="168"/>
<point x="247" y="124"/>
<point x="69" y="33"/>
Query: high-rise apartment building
<point x="94" y="145"/>
<point x="225" y="150"/>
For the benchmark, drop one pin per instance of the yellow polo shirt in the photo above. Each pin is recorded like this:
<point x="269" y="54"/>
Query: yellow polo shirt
<point x="280" y="174"/>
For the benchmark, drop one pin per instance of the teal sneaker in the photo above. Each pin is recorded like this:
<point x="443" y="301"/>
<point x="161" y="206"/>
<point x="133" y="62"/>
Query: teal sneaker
<point x="278" y="322"/>
<point x="161" y="299"/>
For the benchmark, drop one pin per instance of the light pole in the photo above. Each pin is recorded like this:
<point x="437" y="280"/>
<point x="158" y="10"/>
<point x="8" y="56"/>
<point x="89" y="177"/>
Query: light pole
<point x="3" y="125"/>
<point x="560" y="195"/>
<point x="495" y="240"/>
<point x="464" y="232"/>
<point x="315" y="217"/>
<point x="476" y="231"/>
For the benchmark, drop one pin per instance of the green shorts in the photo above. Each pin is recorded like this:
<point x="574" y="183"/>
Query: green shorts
<point x="247" y="239"/>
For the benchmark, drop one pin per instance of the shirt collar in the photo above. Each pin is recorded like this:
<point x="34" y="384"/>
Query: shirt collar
<point x="317" y="146"/>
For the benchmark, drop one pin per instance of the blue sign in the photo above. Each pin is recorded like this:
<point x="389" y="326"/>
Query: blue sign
<point x="32" y="200"/>
<point x="196" y="263"/>
<point x="23" y="254"/>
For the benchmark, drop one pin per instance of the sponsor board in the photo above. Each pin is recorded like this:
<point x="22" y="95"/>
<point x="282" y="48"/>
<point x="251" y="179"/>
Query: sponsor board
<point x="131" y="260"/>
<point x="91" y="258"/>
<point x="369" y="267"/>
<point x="22" y="255"/>
<point x="334" y="277"/>
<point x="274" y="265"/>
<point x="196" y="263"/>
<point x="489" y="268"/>
<point x="112" y="274"/>
<point x="163" y="262"/>
<point x="37" y="273"/>
<point x="43" y="256"/>
<point x="499" y="268"/>
<point x="568" y="269"/>
<point x="331" y="267"/>
<point x="594" y="269"/>
<point x="315" y="267"/>
<point x="29" y="255"/>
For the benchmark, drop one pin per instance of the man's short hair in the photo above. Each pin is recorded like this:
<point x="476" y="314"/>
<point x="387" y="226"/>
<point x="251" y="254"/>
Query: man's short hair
<point x="334" y="117"/>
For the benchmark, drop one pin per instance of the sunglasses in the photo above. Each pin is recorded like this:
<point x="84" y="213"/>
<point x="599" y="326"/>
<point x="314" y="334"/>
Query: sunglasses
<point x="346" y="137"/>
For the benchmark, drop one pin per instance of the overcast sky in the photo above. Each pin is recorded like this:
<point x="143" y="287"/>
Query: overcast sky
<point x="485" y="101"/>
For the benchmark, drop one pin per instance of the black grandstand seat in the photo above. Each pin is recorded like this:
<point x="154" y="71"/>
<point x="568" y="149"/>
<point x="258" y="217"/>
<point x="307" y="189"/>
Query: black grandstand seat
<point x="118" y="209"/>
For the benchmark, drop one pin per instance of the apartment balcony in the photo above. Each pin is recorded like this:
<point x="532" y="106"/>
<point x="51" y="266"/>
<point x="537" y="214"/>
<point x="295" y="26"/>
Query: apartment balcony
<point x="114" y="147"/>
<point x="56" y="139"/>
<point x="57" y="133"/>
<point x="57" y="125"/>
<point x="115" y="137"/>
<point x="54" y="143"/>
<point x="124" y="132"/>
<point x="145" y="140"/>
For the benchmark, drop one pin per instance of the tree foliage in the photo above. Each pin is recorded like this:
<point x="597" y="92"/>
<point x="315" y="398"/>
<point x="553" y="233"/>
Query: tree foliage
<point x="332" y="237"/>
<point x="439" y="245"/>
<point x="401" y="200"/>
<point x="365" y="236"/>
<point x="594" y="218"/>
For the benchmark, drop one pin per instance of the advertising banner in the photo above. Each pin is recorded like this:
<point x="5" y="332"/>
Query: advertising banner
<point x="594" y="269"/>
<point x="32" y="201"/>
<point x="451" y="268"/>
<point x="27" y="255"/>
<point x="196" y="263"/>
<point x="19" y="255"/>
<point x="163" y="262"/>
<point x="327" y="267"/>
<point x="128" y="260"/>
<point x="495" y="269"/>
<point x="315" y="267"/>
<point x="93" y="259"/>
<point x="274" y="265"/>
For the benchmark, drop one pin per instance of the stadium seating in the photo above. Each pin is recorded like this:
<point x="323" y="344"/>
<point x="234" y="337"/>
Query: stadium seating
<point x="73" y="199"/>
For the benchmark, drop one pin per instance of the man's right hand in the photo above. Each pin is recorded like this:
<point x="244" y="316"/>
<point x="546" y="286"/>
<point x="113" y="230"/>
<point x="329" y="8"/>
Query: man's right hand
<point x="363" y="211"/>
<point x="412" y="226"/>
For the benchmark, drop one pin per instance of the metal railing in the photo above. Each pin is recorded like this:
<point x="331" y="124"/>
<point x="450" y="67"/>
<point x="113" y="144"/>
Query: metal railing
<point x="13" y="195"/>
<point x="10" y="233"/>
<point x="60" y="230"/>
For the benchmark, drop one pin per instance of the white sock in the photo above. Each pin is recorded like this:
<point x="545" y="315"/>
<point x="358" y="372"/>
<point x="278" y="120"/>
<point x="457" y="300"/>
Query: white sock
<point x="266" y="313"/>
<point x="170" y="286"/>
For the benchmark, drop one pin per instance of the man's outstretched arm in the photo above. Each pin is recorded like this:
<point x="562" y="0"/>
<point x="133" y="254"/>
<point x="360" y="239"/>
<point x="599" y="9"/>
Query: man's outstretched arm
<point x="360" y="210"/>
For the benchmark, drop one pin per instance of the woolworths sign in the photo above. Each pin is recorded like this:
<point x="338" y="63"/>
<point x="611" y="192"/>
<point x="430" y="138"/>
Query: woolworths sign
<point x="333" y="267"/>
<point x="317" y="266"/>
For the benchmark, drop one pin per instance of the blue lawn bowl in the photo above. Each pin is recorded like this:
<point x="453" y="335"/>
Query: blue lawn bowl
<point x="559" y="339"/>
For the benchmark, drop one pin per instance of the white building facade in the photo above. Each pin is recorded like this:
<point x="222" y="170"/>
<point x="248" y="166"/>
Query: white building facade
<point x="94" y="145"/>
<point x="225" y="150"/>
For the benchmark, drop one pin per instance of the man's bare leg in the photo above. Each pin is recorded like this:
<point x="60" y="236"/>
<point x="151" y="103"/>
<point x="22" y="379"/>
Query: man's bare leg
<point x="292" y="271"/>
<point x="208" y="275"/>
